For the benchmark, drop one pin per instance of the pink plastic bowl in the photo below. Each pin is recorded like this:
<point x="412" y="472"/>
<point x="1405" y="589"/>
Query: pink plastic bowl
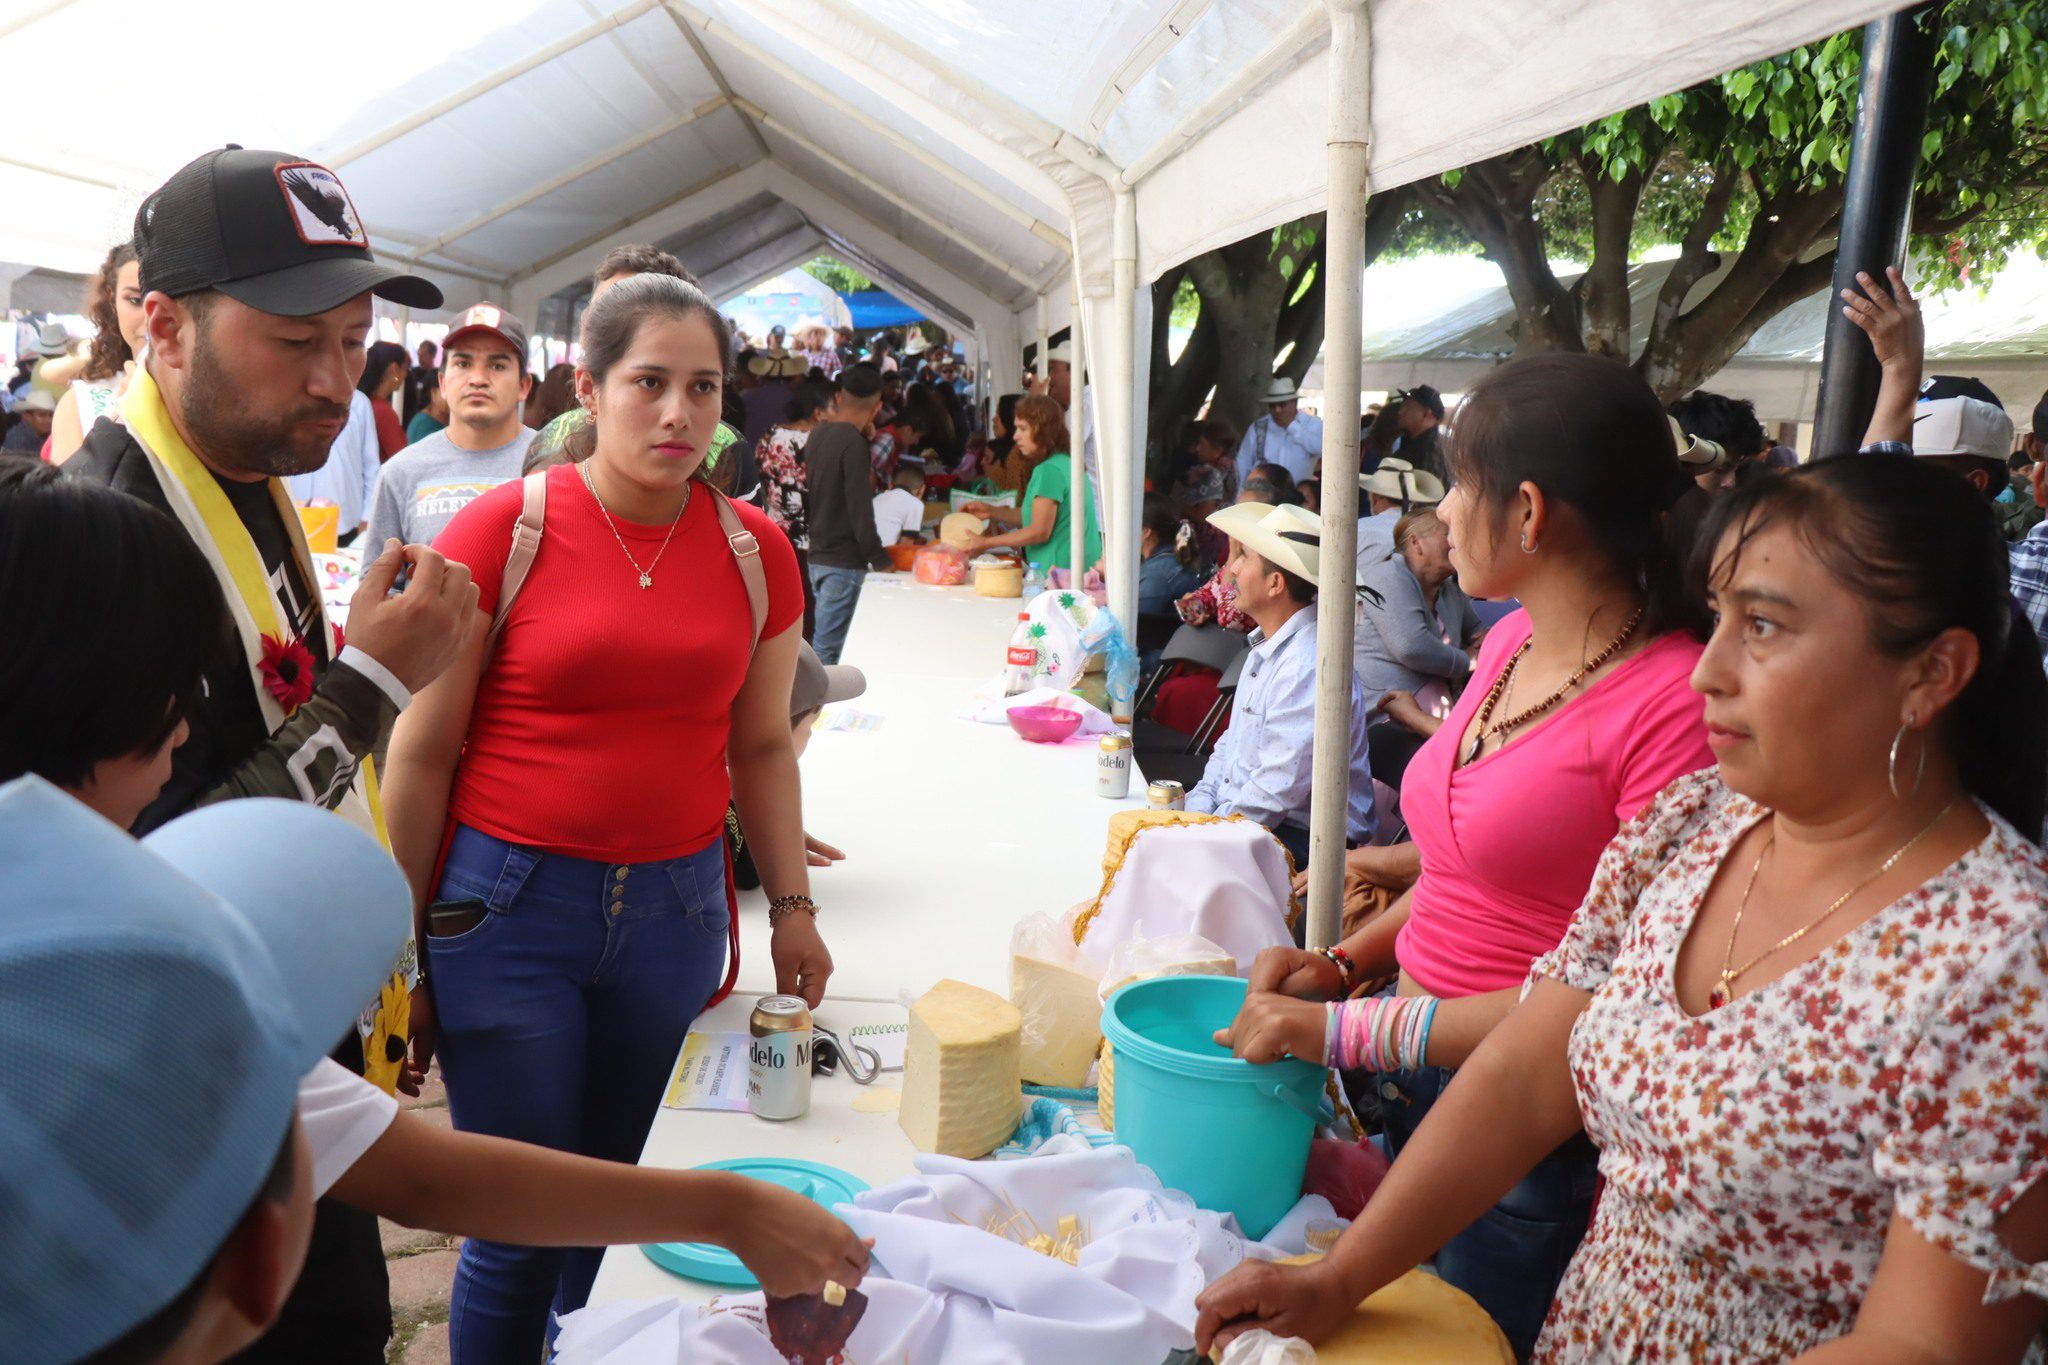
<point x="1043" y="724"/>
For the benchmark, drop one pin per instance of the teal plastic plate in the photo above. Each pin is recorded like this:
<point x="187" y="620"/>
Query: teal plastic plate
<point x="827" y="1185"/>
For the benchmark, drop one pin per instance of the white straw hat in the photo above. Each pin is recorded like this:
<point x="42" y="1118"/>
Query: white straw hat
<point x="1288" y="536"/>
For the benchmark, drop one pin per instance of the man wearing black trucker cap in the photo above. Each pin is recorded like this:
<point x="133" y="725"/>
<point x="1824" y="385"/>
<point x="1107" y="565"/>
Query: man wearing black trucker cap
<point x="257" y="278"/>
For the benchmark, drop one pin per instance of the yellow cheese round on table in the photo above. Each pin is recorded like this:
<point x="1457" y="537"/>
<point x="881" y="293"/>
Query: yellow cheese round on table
<point x="957" y="528"/>
<point x="1416" y="1320"/>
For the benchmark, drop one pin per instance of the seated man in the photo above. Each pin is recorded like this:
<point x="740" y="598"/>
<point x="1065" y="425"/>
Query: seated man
<point x="899" y="510"/>
<point x="1262" y="764"/>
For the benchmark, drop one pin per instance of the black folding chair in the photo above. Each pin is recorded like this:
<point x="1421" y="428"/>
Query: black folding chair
<point x="1226" y="692"/>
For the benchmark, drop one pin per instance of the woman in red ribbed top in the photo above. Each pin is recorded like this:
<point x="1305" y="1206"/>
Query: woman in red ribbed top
<point x="578" y="781"/>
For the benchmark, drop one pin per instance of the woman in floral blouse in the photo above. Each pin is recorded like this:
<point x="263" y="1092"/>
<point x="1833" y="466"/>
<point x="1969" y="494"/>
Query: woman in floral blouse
<point x="780" y="455"/>
<point x="1804" y="1009"/>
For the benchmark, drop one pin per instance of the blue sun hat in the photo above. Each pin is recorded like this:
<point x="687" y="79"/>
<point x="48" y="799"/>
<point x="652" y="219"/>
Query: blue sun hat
<point x="159" y="1001"/>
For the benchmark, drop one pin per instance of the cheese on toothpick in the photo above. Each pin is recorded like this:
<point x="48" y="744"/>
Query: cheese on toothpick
<point x="961" y="1087"/>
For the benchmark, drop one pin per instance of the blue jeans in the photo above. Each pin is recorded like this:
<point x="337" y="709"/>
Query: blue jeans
<point x="560" y="1016"/>
<point x="838" y="592"/>
<point x="1513" y="1258"/>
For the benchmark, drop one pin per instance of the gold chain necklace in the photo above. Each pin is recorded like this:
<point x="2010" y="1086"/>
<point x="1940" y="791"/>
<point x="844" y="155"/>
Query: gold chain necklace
<point x="646" y="574"/>
<point x="1724" y="987"/>
<point x="1507" y="674"/>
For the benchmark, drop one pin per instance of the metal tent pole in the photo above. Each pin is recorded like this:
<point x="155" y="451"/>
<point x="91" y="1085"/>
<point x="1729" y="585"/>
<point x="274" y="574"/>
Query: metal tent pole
<point x="1877" y="205"/>
<point x="1350" y="153"/>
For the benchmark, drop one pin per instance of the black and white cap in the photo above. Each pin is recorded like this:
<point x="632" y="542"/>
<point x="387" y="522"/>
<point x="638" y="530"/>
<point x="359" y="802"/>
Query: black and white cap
<point x="268" y="229"/>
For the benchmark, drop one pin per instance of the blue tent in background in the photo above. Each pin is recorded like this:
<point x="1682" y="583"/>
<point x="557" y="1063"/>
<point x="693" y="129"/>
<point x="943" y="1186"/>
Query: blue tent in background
<point x="872" y="308"/>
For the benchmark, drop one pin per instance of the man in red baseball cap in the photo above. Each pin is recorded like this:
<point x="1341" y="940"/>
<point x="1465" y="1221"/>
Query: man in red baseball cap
<point x="485" y="380"/>
<point x="257" y="278"/>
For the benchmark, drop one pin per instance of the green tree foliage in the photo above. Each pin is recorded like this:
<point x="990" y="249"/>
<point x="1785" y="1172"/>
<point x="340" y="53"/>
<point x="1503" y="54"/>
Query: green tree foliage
<point x="1744" y="174"/>
<point x="841" y="277"/>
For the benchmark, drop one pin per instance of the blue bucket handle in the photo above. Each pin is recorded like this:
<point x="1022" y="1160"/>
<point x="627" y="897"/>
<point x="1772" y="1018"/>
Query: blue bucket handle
<point x="1285" y="1094"/>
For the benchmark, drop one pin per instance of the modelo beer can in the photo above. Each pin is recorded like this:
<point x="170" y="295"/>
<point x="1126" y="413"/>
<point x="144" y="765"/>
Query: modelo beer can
<point x="1113" y="766"/>
<point x="779" y="1058"/>
<point x="1166" y="795"/>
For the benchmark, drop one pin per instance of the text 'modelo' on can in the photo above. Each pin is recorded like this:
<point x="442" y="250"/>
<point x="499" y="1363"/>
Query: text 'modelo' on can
<point x="1113" y="766"/>
<point x="779" y="1058"/>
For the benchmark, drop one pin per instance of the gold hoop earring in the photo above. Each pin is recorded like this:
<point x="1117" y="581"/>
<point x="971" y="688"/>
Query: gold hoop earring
<point x="1891" y="773"/>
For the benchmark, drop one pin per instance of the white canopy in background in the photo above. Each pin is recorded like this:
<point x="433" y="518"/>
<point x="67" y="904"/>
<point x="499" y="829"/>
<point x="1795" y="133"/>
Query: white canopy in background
<point x="1999" y="334"/>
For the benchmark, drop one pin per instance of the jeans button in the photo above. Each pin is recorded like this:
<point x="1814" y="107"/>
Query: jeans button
<point x="620" y="875"/>
<point x="1389" y="1091"/>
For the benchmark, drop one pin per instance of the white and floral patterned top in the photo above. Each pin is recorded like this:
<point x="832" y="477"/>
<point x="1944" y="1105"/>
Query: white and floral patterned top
<point x="1754" y="1156"/>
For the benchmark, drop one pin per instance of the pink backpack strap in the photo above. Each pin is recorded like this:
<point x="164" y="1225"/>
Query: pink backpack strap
<point x="746" y="551"/>
<point x="526" y="534"/>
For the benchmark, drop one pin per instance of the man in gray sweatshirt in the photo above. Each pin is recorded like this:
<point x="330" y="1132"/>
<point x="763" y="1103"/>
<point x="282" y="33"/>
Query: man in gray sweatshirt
<point x="484" y="378"/>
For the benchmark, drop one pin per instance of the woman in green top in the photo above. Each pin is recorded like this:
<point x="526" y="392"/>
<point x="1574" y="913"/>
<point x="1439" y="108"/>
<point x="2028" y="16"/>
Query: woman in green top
<point x="1043" y="526"/>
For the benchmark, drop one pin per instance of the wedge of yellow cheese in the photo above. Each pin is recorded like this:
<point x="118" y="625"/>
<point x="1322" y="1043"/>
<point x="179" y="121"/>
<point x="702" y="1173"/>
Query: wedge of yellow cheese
<point x="962" y="1093"/>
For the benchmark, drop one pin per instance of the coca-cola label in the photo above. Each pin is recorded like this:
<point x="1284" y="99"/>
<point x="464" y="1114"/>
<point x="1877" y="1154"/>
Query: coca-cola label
<point x="1023" y="656"/>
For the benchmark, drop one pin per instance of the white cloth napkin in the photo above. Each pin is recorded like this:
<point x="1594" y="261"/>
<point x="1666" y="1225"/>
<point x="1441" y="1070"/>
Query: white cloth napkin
<point x="946" y="1289"/>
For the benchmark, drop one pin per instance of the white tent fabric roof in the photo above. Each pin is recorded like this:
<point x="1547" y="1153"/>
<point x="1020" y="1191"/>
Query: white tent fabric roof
<point x="1999" y="334"/>
<point x="505" y="147"/>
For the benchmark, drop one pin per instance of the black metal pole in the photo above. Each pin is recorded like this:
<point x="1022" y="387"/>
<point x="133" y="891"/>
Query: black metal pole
<point x="1877" y="204"/>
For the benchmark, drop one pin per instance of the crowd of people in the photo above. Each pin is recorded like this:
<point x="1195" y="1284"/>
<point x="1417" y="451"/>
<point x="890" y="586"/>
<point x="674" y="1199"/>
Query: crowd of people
<point x="1694" y="969"/>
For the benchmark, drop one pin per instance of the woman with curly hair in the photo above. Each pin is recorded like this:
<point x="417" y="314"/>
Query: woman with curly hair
<point x="115" y="307"/>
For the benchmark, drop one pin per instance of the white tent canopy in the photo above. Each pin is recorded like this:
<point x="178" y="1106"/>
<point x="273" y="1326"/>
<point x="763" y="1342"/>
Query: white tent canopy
<point x="1999" y="334"/>
<point x="992" y="153"/>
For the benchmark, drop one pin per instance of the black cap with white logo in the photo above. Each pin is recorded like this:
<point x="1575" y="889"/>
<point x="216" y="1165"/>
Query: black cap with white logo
<point x="274" y="231"/>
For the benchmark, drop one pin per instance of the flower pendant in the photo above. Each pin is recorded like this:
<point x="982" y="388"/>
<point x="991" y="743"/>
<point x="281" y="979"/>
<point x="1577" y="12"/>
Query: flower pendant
<point x="646" y="580"/>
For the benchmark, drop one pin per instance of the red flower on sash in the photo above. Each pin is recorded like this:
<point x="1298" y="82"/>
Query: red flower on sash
<point x="288" y="671"/>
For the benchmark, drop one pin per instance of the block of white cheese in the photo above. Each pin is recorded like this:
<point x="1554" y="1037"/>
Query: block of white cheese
<point x="1062" y="1019"/>
<point x="961" y="1090"/>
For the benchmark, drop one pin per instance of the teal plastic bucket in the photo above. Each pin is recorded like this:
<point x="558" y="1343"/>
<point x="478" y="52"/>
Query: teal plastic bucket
<point x="1231" y="1135"/>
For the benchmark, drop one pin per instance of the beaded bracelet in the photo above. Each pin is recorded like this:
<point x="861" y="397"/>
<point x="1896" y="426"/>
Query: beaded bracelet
<point x="782" y="907"/>
<point x="1347" y="970"/>
<point x="1384" y="1033"/>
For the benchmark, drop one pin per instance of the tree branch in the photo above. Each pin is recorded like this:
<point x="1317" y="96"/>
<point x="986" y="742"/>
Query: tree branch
<point x="1696" y="256"/>
<point x="1604" y="295"/>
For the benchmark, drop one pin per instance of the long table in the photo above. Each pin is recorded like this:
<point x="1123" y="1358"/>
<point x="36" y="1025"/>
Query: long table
<point x="953" y="830"/>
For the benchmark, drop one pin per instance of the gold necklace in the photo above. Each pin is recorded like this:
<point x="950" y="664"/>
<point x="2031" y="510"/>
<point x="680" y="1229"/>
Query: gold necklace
<point x="1724" y="986"/>
<point x="1506" y="678"/>
<point x="646" y="574"/>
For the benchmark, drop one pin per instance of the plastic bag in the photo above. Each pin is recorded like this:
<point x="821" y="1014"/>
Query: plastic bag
<point x="942" y="566"/>
<point x="1062" y="617"/>
<point x="1260" y="1347"/>
<point x="1105" y="636"/>
<point x="1141" y="959"/>
<point x="1055" y="990"/>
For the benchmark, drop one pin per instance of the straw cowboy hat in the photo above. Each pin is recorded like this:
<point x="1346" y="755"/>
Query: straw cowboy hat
<point x="1280" y="391"/>
<point x="1696" y="453"/>
<point x="1404" y="483"/>
<point x="1288" y="537"/>
<point x="777" y="363"/>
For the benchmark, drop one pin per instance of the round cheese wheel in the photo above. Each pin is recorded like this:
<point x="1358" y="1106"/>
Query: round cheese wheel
<point x="1416" y="1320"/>
<point x="957" y="528"/>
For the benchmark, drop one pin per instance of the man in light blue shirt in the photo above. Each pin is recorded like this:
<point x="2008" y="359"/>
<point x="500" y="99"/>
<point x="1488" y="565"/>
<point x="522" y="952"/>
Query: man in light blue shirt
<point x="1285" y="436"/>
<point x="349" y="478"/>
<point x="1261" y="767"/>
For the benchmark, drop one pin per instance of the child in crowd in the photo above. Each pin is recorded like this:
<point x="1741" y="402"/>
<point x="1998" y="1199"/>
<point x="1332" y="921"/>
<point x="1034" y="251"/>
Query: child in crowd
<point x="899" y="509"/>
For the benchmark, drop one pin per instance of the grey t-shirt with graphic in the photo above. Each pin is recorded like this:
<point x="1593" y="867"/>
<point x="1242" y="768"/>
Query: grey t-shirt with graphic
<point x="421" y="488"/>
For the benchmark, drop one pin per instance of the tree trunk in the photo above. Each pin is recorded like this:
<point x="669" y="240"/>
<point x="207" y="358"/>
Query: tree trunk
<point x="1244" y="323"/>
<point x="1494" y="203"/>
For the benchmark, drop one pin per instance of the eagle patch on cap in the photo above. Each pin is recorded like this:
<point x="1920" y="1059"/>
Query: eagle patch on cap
<point x="320" y="207"/>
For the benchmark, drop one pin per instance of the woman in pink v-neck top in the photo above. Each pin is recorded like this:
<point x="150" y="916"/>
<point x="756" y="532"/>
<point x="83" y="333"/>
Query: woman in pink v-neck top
<point x="1509" y="842"/>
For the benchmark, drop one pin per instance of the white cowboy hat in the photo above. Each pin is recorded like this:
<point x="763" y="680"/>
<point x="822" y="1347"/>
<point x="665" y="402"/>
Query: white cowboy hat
<point x="1280" y="391"/>
<point x="1062" y="354"/>
<point x="1287" y="536"/>
<point x="1696" y="453"/>
<point x="1404" y="483"/>
<point x="916" y="345"/>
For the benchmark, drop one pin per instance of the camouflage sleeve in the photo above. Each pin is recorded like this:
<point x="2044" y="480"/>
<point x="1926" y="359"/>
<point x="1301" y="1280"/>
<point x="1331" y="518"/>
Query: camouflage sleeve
<point x="316" y="755"/>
